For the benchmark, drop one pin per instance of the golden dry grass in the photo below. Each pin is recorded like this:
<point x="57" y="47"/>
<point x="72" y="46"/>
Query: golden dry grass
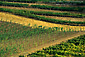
<point x="25" y="21"/>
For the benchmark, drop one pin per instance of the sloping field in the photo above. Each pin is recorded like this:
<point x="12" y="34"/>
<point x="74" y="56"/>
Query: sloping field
<point x="61" y="14"/>
<point x="34" y="16"/>
<point x="12" y="41"/>
<point x="75" y="49"/>
<point x="28" y="27"/>
<point x="15" y="38"/>
<point x="58" y="41"/>
<point x="26" y="21"/>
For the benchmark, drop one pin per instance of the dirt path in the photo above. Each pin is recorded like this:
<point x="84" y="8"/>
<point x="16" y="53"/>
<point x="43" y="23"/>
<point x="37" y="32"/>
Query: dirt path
<point x="25" y="21"/>
<point x="36" y="9"/>
<point x="58" y="41"/>
<point x="65" y="18"/>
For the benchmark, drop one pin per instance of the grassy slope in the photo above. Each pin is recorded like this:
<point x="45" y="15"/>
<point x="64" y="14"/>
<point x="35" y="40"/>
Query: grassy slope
<point x="13" y="32"/>
<point x="23" y="42"/>
<point x="25" y="37"/>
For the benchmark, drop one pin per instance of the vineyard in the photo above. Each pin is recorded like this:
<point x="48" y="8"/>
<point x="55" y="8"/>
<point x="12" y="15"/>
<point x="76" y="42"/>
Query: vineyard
<point x="72" y="48"/>
<point x="38" y="28"/>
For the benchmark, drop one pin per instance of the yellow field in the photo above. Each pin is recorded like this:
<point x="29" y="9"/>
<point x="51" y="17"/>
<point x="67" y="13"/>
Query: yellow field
<point x="25" y="21"/>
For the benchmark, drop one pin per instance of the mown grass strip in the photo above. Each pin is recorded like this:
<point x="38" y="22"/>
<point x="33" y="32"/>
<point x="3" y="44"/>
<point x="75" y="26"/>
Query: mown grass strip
<point x="28" y="14"/>
<point x="79" y="9"/>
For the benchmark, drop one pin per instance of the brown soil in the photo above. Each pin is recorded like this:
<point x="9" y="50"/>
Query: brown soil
<point x="58" y="40"/>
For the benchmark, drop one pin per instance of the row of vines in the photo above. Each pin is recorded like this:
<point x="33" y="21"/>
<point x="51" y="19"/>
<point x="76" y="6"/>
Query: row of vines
<point x="48" y="1"/>
<point x="79" y="9"/>
<point x="67" y="2"/>
<point x="28" y="14"/>
<point x="58" y="14"/>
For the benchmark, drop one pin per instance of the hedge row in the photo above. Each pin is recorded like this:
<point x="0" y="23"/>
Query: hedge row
<point x="28" y="14"/>
<point x="28" y="1"/>
<point x="80" y="9"/>
<point x="72" y="48"/>
<point x="67" y="2"/>
<point x="57" y="14"/>
<point x="13" y="4"/>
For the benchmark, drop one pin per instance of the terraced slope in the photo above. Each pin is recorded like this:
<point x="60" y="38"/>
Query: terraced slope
<point x="28" y="14"/>
<point x="26" y="21"/>
<point x="26" y="32"/>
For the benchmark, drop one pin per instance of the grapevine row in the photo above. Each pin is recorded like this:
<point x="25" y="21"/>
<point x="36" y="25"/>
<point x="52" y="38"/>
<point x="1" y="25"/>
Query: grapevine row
<point x="28" y="14"/>
<point x="66" y="2"/>
<point x="79" y="9"/>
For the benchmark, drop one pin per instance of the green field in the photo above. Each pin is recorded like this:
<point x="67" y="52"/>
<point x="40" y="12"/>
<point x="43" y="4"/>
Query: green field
<point x="38" y="28"/>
